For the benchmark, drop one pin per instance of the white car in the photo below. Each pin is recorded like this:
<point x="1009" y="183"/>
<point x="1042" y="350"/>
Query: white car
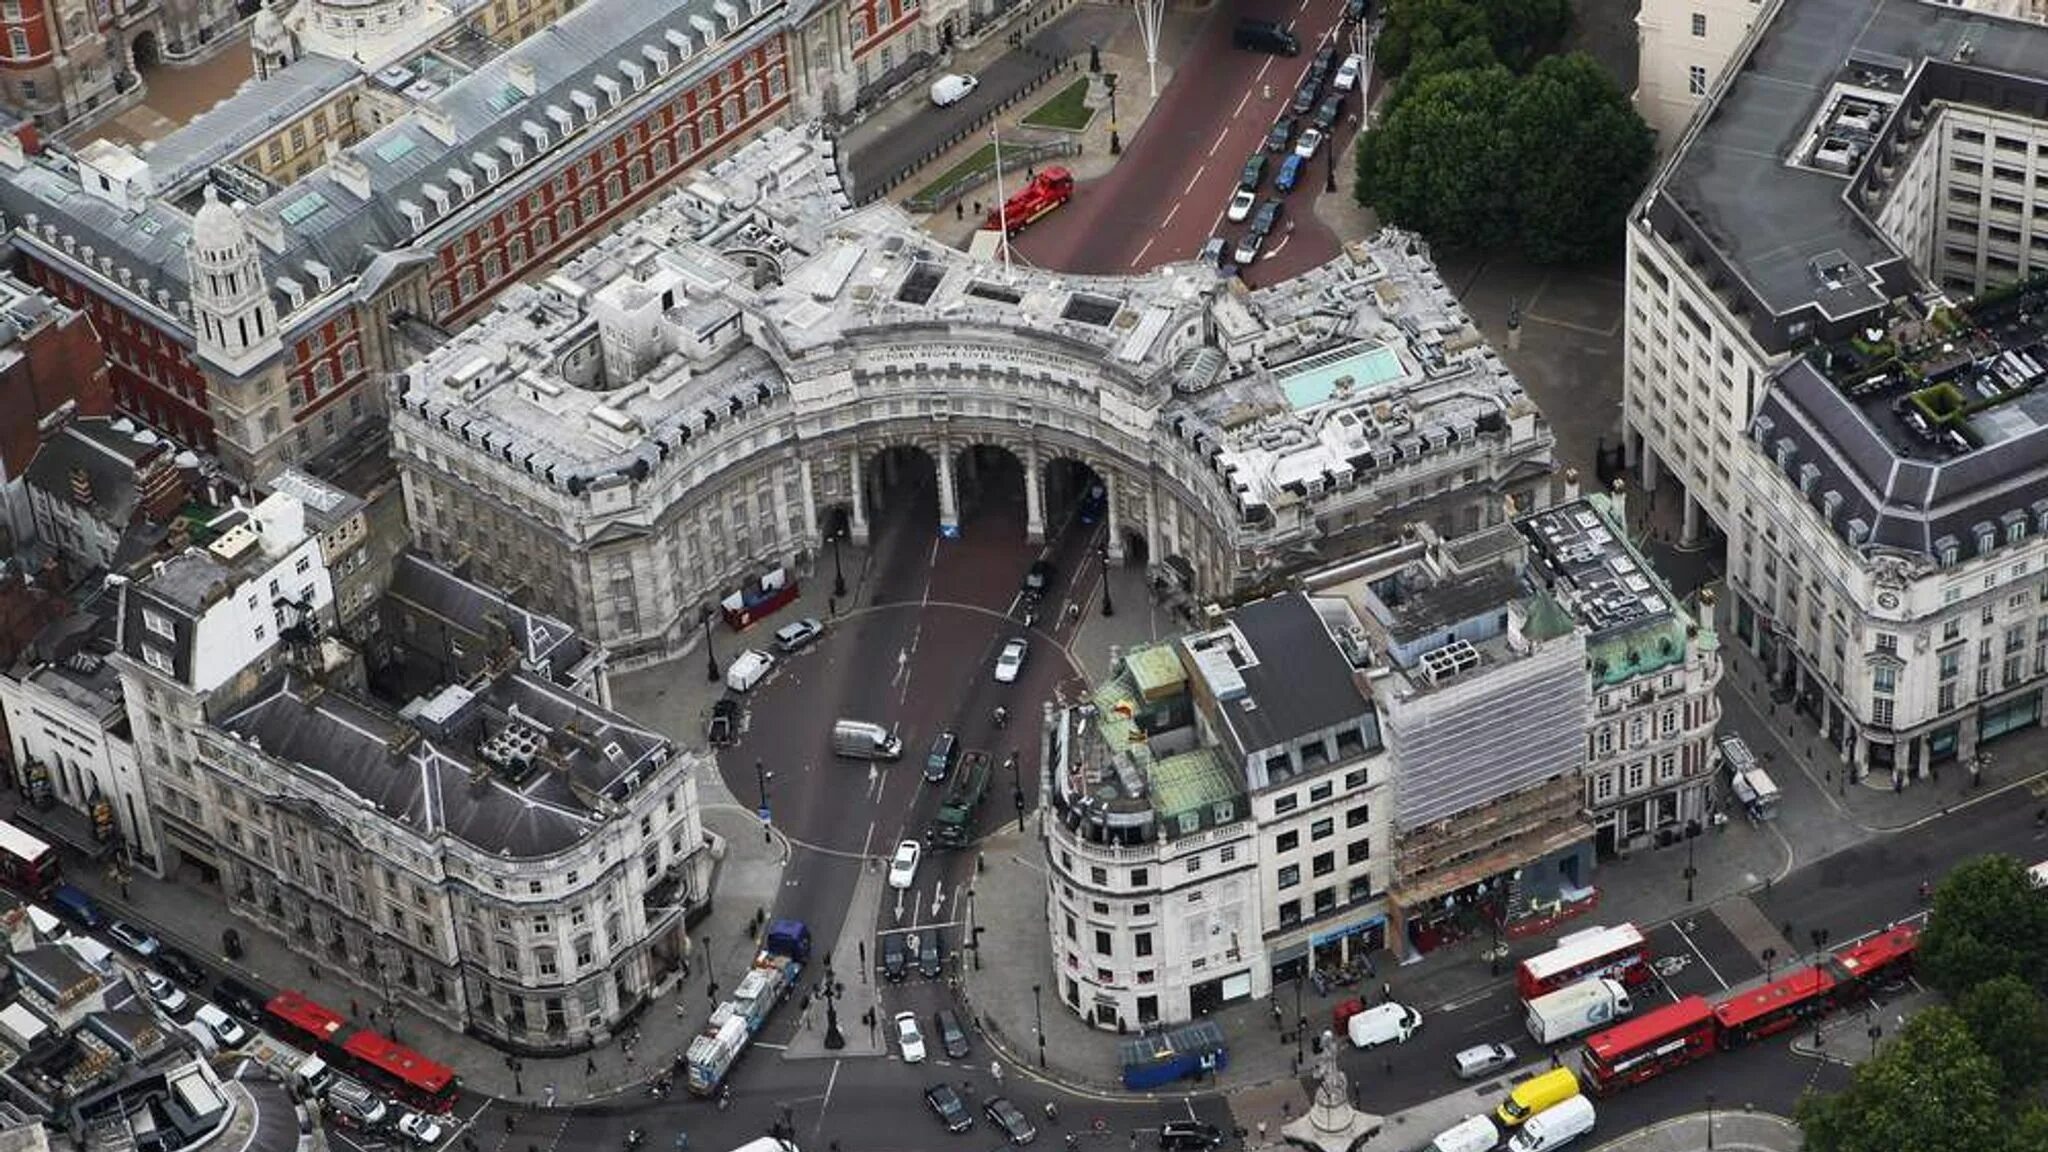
<point x="1240" y="205"/>
<point x="1348" y="73"/>
<point x="225" y="1028"/>
<point x="903" y="866"/>
<point x="421" y="1130"/>
<point x="952" y="88"/>
<point x="168" y="996"/>
<point x="909" y="1038"/>
<point x="1309" y="142"/>
<point x="1010" y="661"/>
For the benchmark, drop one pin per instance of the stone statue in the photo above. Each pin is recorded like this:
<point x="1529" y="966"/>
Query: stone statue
<point x="1333" y="1087"/>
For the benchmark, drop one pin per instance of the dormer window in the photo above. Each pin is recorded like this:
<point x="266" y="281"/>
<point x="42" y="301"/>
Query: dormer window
<point x="535" y="133"/>
<point x="1947" y="550"/>
<point x="2015" y="528"/>
<point x="465" y="184"/>
<point x="1987" y="538"/>
<point x="1809" y="475"/>
<point x="1785" y="451"/>
<point x="488" y="165"/>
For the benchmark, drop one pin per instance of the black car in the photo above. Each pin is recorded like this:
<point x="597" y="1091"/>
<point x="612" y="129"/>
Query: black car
<point x="724" y="727"/>
<point x="180" y="967"/>
<point x="1011" y="1119"/>
<point x="1279" y="134"/>
<point x="952" y="1037"/>
<point x="1267" y="217"/>
<point x="1305" y="96"/>
<point x="1319" y="69"/>
<point x="895" y="957"/>
<point x="1190" y="1136"/>
<point x="1254" y="172"/>
<point x="1330" y="111"/>
<point x="239" y="998"/>
<point x="945" y="751"/>
<point x="946" y="1102"/>
<point x="931" y="954"/>
<point x="1038" y="580"/>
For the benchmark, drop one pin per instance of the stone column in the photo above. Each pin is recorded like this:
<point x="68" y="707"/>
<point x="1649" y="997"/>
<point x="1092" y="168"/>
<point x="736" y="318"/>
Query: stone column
<point x="803" y="470"/>
<point x="1649" y="463"/>
<point x="860" y="504"/>
<point x="949" y="501"/>
<point x="1153" y="552"/>
<point x="1034" y="498"/>
<point x="1691" y="533"/>
<point x="1113" y="520"/>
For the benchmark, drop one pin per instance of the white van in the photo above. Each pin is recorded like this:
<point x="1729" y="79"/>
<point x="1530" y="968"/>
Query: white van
<point x="1473" y="1134"/>
<point x="202" y="1036"/>
<point x="747" y="668"/>
<point x="1383" y="1023"/>
<point x="1554" y="1127"/>
<point x="952" y="88"/>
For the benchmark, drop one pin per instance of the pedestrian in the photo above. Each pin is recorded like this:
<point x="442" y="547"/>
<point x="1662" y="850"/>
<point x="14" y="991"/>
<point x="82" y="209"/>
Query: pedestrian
<point x="832" y="606"/>
<point x="1030" y="173"/>
<point x="354" y="1009"/>
<point x="1386" y="992"/>
<point x="630" y="1058"/>
<point x="1265" y="91"/>
<point x="590" y="1065"/>
<point x="1554" y="1061"/>
<point x="511" y="1122"/>
<point x="977" y="207"/>
<point x="959" y="210"/>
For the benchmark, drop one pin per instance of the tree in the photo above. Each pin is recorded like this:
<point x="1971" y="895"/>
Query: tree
<point x="1931" y="1091"/>
<point x="1525" y="31"/>
<point x="1582" y="155"/>
<point x="2009" y="1022"/>
<point x="2033" y="1130"/>
<point x="1520" y="32"/>
<point x="1471" y="52"/>
<point x="1442" y="163"/>
<point x="1417" y="27"/>
<point x="1989" y="921"/>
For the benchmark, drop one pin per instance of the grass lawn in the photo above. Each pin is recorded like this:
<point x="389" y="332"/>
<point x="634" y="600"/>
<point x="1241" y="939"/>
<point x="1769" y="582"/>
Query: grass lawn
<point x="982" y="158"/>
<point x="1064" y="110"/>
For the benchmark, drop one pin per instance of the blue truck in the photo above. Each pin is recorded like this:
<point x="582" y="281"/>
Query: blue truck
<point x="1187" y="1052"/>
<point x="732" y="1026"/>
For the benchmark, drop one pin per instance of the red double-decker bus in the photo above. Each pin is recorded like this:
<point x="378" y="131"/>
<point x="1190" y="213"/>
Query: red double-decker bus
<point x="1881" y="959"/>
<point x="1784" y="1003"/>
<point x="1649" y="1045"/>
<point x="388" y="1065"/>
<point x="27" y="865"/>
<point x="1618" y="953"/>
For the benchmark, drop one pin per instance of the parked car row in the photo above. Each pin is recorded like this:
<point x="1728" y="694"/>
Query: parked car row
<point x="1295" y="138"/>
<point x="924" y="949"/>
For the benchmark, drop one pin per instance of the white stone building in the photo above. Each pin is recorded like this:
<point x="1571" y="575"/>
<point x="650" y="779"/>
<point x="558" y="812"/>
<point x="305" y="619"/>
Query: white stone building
<point x="1217" y="819"/>
<point x="716" y="390"/>
<point x="1792" y="362"/>
<point x="502" y="853"/>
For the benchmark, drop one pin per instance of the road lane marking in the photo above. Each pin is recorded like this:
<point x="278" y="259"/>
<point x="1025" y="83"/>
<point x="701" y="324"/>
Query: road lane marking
<point x="1220" y="134"/>
<point x="1141" y="252"/>
<point x="1683" y="935"/>
<point x="1190" y="186"/>
<point x="1166" y="223"/>
<point x="1241" y="102"/>
<point x="826" y="1104"/>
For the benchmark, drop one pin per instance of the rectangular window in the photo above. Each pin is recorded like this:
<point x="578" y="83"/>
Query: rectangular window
<point x="1290" y="876"/>
<point x="1141" y="944"/>
<point x="1325" y="863"/>
<point x="1696" y="80"/>
<point x="1287" y="842"/>
<point x="1286" y="803"/>
<point x="1699" y="23"/>
<point x="1323" y="829"/>
<point x="1357" y="817"/>
<point x="1357" y="851"/>
<point x="1102" y="943"/>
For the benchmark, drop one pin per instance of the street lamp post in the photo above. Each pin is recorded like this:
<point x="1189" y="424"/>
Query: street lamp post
<point x="838" y="576"/>
<point x="515" y="1066"/>
<point x="1299" y="1019"/>
<point x="1770" y="956"/>
<point x="761" y="777"/>
<point x="1108" y="608"/>
<point x="710" y="658"/>
<point x="1691" y="840"/>
<point x="1038" y="1018"/>
<point x="973" y="931"/>
<point x="1017" y="788"/>
<point x="1710" y="1122"/>
<point x="1116" y="143"/>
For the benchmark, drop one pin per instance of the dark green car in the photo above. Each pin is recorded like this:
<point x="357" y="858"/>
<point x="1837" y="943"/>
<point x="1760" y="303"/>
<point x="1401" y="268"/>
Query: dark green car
<point x="1254" y="172"/>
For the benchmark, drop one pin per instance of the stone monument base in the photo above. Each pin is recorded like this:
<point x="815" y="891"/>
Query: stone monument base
<point x="1332" y="1130"/>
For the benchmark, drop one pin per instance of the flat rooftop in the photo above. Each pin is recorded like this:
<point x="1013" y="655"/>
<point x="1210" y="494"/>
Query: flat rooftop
<point x="1766" y="184"/>
<point x="1592" y="569"/>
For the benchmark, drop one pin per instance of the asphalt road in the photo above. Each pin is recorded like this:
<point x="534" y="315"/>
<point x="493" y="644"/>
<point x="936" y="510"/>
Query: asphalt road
<point x="1167" y="195"/>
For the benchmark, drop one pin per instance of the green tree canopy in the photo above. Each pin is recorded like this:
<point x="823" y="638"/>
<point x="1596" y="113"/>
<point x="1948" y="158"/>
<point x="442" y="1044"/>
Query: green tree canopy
<point x="1471" y="52"/>
<point x="1583" y="155"/>
<point x="1475" y="158"/>
<point x="1520" y="32"/>
<point x="1989" y="921"/>
<point x="2009" y="1021"/>
<point x="1931" y="1091"/>
<point x="1442" y="162"/>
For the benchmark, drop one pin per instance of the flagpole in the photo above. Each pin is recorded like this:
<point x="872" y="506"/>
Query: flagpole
<point x="1002" y="204"/>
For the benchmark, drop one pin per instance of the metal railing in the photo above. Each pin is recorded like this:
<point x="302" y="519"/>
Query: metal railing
<point x="1015" y="159"/>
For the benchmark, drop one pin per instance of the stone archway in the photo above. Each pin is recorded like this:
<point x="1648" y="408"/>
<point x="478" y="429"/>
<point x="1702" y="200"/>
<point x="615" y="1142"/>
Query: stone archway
<point x="898" y="483"/>
<point x="989" y="483"/>
<point x="146" y="51"/>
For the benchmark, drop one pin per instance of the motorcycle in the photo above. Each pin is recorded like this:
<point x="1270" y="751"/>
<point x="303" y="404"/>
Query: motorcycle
<point x="635" y="1138"/>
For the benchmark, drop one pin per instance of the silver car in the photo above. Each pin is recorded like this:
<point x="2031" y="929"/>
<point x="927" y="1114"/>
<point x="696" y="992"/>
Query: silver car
<point x="1483" y="1060"/>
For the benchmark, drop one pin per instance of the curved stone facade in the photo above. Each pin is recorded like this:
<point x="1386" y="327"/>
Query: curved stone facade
<point x="687" y="403"/>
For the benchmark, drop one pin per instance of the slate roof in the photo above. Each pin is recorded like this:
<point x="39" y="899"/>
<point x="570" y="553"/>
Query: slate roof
<point x="544" y="642"/>
<point x="1300" y="682"/>
<point x="1765" y="220"/>
<point x="435" y="786"/>
<point x="107" y="456"/>
<point x="325" y="222"/>
<point x="257" y="108"/>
